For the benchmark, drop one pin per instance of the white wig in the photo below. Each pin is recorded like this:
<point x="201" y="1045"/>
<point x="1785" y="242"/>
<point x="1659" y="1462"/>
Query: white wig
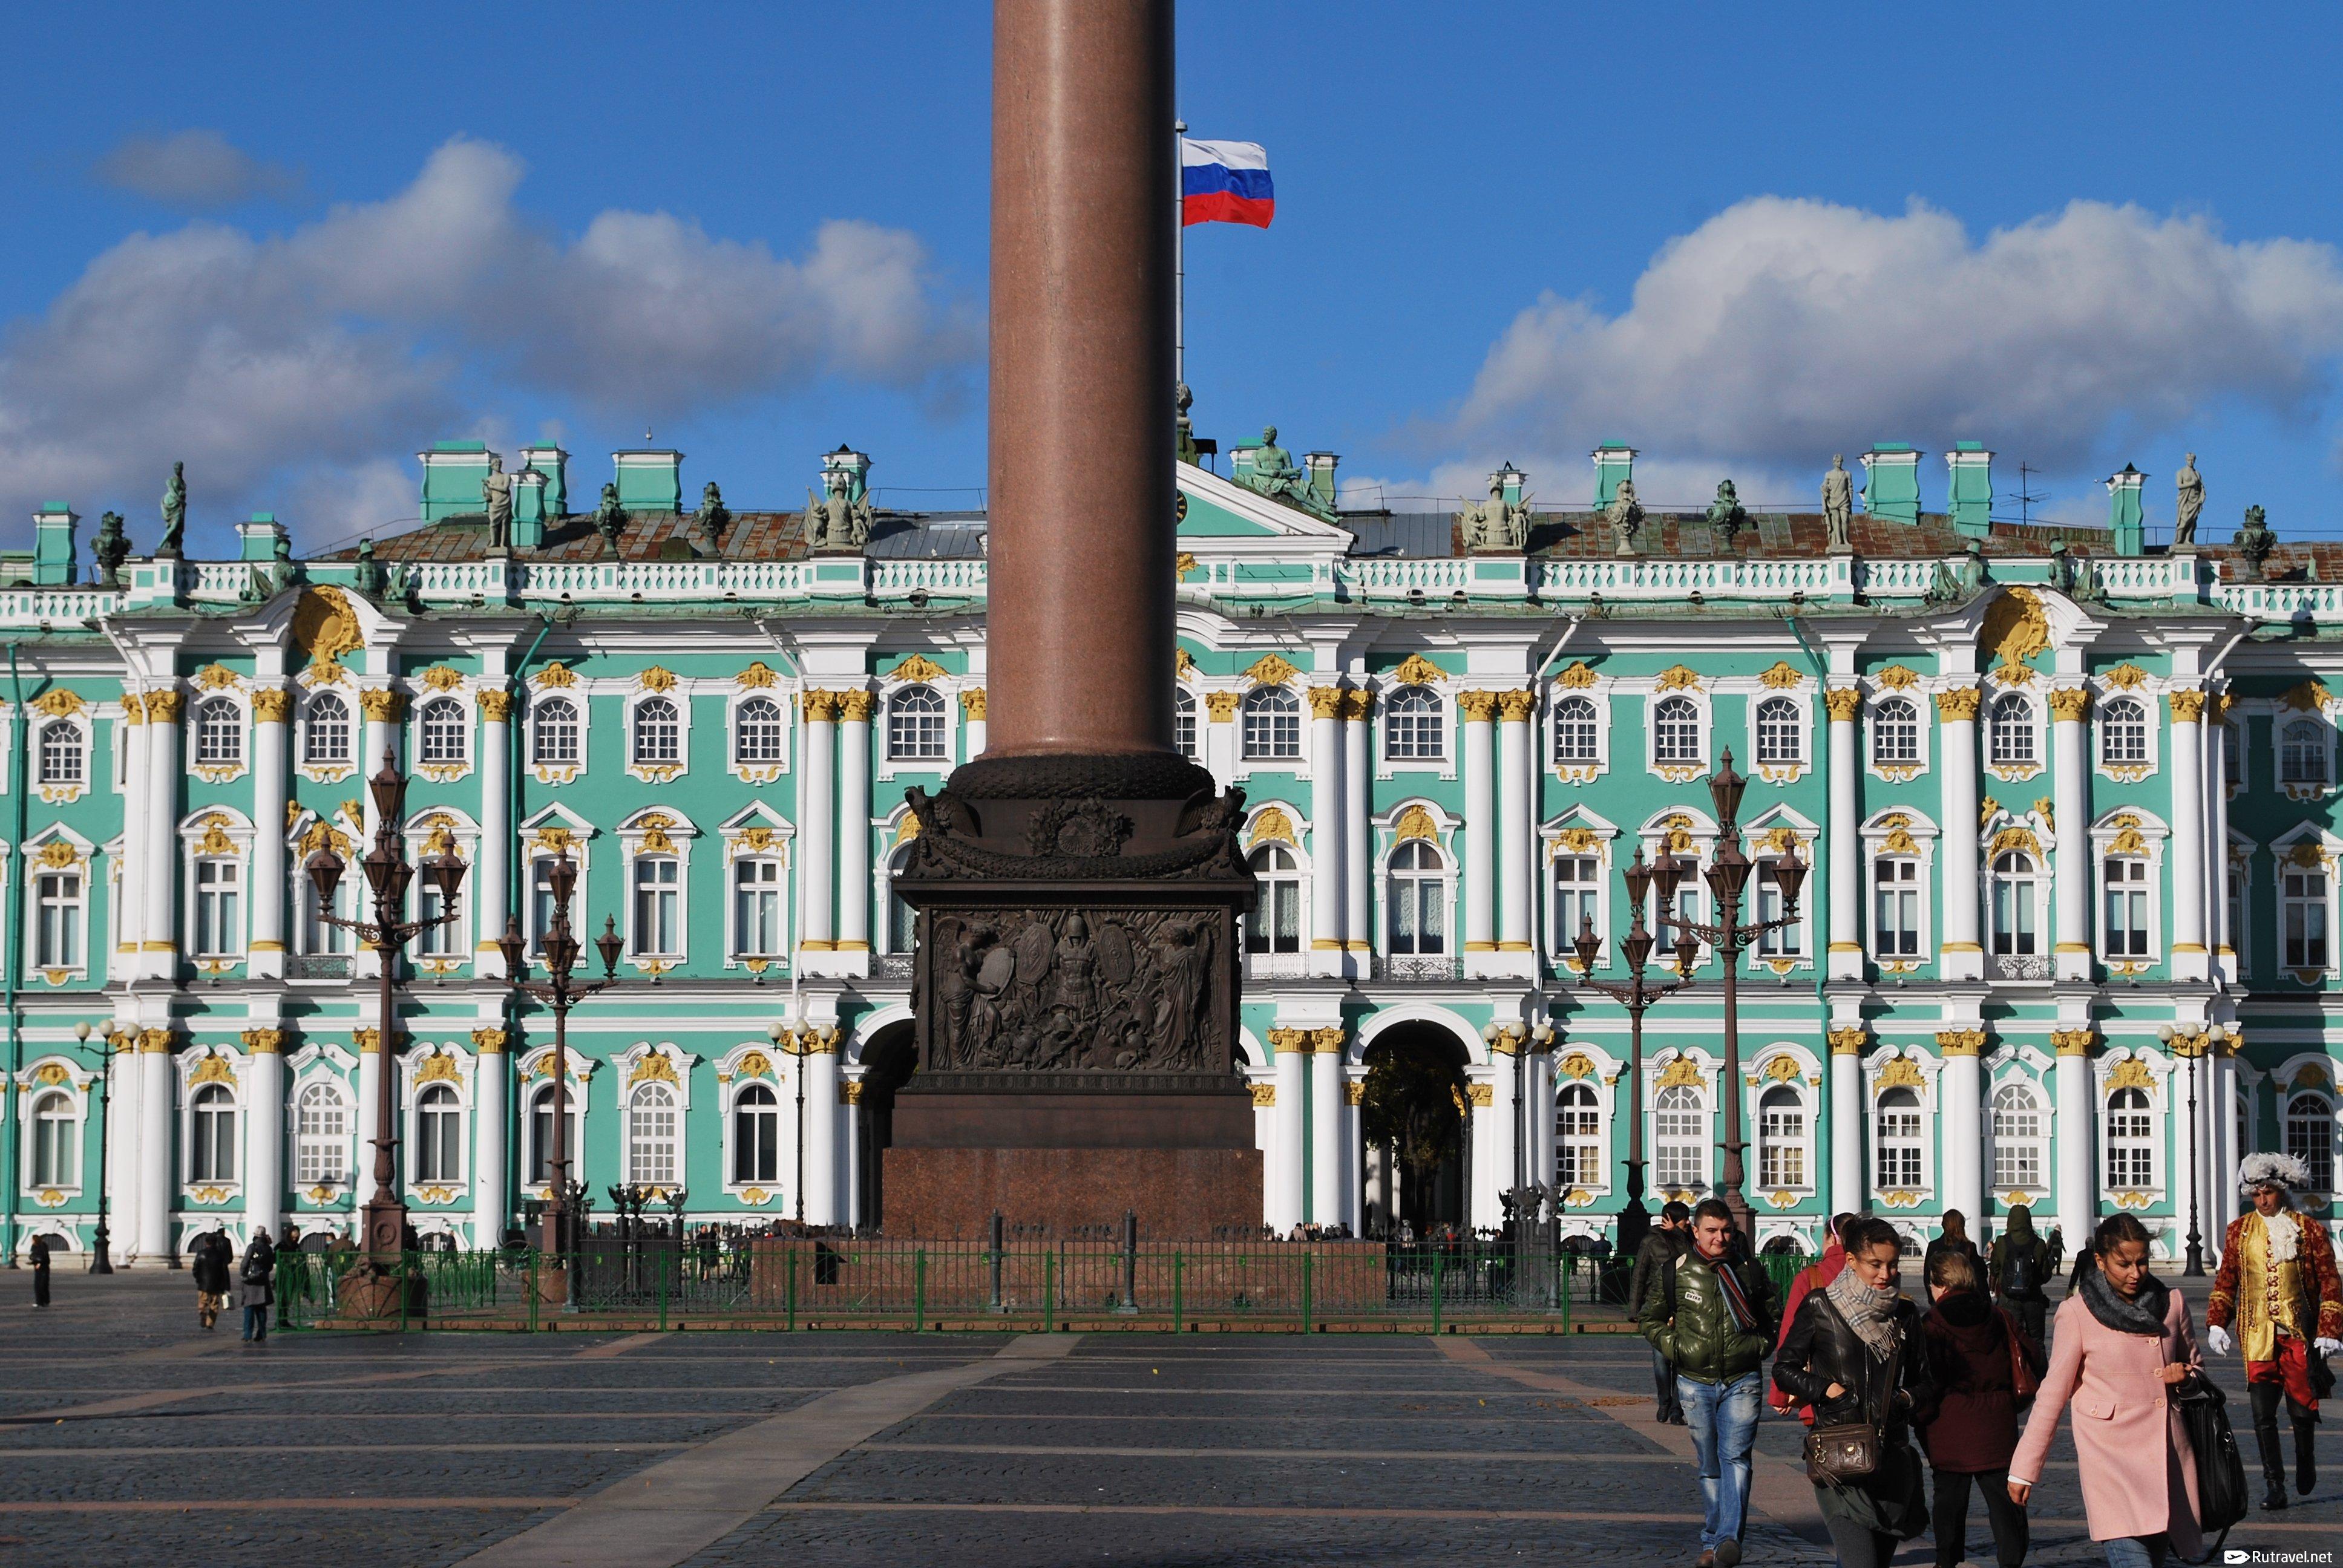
<point x="2286" y="1171"/>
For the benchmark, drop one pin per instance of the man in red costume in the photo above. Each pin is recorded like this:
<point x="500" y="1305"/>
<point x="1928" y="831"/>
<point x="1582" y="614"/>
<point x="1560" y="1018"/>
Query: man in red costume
<point x="2278" y="1287"/>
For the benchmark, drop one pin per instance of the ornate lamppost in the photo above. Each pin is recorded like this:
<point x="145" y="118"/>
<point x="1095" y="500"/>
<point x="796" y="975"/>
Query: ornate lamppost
<point x="1637" y="996"/>
<point x="2192" y="1049"/>
<point x="1727" y="877"/>
<point x="388" y="875"/>
<point x="560" y="992"/>
<point x="102" y="1259"/>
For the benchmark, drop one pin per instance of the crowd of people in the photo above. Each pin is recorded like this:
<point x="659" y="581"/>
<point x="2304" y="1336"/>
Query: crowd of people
<point x="1913" y="1403"/>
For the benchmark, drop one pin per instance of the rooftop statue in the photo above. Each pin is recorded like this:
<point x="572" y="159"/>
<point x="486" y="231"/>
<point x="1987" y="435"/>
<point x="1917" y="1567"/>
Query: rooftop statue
<point x="110" y="549"/>
<point x="2256" y="540"/>
<point x="2062" y="568"/>
<point x="1973" y="570"/>
<point x="708" y="523"/>
<point x="1623" y="516"/>
<point x="1184" y="437"/>
<point x="175" y="512"/>
<point x="368" y="575"/>
<point x="496" y="490"/>
<point x="834" y="521"/>
<point x="1838" y="503"/>
<point x="1726" y="511"/>
<point x="610" y="518"/>
<point x="2188" y="503"/>
<point x="1274" y="472"/>
<point x="1495" y="524"/>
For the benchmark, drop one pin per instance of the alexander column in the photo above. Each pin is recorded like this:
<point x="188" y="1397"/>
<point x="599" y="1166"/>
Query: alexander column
<point x="1077" y="884"/>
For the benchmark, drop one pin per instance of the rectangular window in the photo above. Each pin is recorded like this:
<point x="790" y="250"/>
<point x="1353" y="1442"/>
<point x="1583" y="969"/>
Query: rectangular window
<point x="1899" y="1149"/>
<point x="2125" y="879"/>
<point x="657" y="883"/>
<point x="1896" y="907"/>
<point x="1790" y="941"/>
<point x="437" y="941"/>
<point x="219" y="928"/>
<point x="58" y="935"/>
<point x="2236" y="934"/>
<point x="756" y="908"/>
<point x="1782" y="1149"/>
<point x="318" y="936"/>
<point x="541" y="903"/>
<point x="2305" y="918"/>
<point x="1577" y="891"/>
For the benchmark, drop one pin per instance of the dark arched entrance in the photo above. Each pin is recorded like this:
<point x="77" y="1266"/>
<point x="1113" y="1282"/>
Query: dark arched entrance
<point x="1412" y="1118"/>
<point x="887" y="1064"/>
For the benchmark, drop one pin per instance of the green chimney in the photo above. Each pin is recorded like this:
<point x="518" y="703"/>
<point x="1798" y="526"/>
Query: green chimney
<point x="1891" y="487"/>
<point x="854" y="464"/>
<point x="452" y="472"/>
<point x="1321" y="469"/>
<point x="53" y="545"/>
<point x="1970" y="488"/>
<point x="650" y="479"/>
<point x="2124" y="519"/>
<point x="1614" y="461"/>
<point x="257" y="538"/>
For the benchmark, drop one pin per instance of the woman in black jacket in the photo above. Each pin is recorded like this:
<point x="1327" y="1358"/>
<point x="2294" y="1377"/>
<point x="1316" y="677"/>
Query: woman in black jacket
<point x="1854" y="1353"/>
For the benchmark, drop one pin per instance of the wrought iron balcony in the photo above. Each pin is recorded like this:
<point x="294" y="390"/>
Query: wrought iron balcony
<point x="1418" y="968"/>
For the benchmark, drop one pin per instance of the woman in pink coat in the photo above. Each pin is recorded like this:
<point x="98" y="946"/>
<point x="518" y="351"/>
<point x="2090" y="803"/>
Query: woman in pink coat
<point x="2123" y="1340"/>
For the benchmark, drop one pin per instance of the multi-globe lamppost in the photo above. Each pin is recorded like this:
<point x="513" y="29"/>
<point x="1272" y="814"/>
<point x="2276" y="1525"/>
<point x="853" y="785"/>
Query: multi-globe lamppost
<point x="559" y="991"/>
<point x="2192" y="1049"/>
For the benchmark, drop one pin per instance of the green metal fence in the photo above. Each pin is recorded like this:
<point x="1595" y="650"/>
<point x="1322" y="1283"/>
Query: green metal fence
<point x="795" y="1283"/>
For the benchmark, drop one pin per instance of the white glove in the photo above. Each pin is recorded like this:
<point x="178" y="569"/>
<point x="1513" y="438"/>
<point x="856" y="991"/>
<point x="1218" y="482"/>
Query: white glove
<point x="2328" y="1347"/>
<point x="2219" y="1339"/>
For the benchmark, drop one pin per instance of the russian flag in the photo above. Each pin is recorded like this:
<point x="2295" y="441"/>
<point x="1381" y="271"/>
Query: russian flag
<point x="1224" y="181"/>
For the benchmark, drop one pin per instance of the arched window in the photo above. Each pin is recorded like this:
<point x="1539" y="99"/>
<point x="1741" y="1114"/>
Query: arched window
<point x="756" y="1135"/>
<point x="2123" y="733"/>
<point x="659" y="906"/>
<point x="756" y="894"/>
<point x="212" y="1143"/>
<point x="540" y="1134"/>
<point x="1676" y="732"/>
<point x="650" y="1136"/>
<point x="1576" y="730"/>
<point x="2310" y="1138"/>
<point x="438" y="1135"/>
<point x="2124" y="881"/>
<point x="1895" y="733"/>
<point x="2302" y="753"/>
<point x="219" y="906"/>
<point x="1272" y="723"/>
<point x="1899" y="1140"/>
<point x="1578" y="1137"/>
<point x="1896" y="907"/>
<point x="320" y="1134"/>
<point x="62" y="753"/>
<point x="1276" y="924"/>
<point x="57" y="920"/>
<point x="1781" y="1137"/>
<point x="56" y="1152"/>
<point x="1184" y="724"/>
<point x="1679" y="1140"/>
<point x="1416" y="898"/>
<point x="2017" y="1142"/>
<point x="1413" y="730"/>
<point x="2009" y="732"/>
<point x="757" y="732"/>
<point x="2131" y="1140"/>
<point x="658" y="733"/>
<point x="1781" y="733"/>
<point x="903" y="920"/>
<point x="2015" y="902"/>
<point x="915" y="725"/>
<point x="219" y="732"/>
<point x="444" y="732"/>
<point x="554" y="742"/>
<point x="326" y="740"/>
<point x="2302" y="915"/>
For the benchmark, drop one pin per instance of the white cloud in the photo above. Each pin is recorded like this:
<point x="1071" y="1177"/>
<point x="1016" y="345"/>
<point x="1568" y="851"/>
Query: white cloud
<point x="325" y="353"/>
<point x="1781" y="331"/>
<point x="195" y="171"/>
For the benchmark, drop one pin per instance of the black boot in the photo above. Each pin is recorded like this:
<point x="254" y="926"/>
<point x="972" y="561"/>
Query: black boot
<point x="2306" y="1454"/>
<point x="2265" y="1397"/>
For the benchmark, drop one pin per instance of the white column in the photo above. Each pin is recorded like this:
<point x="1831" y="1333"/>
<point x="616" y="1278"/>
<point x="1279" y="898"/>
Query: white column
<point x="156" y="1106"/>
<point x="1962" y="954"/>
<point x="1850" y="1126"/>
<point x="2221" y="1117"/>
<point x="1329" y="1197"/>
<point x="1491" y="1168"/>
<point x="2070" y="788"/>
<point x="2078" y="1183"/>
<point x="130" y="908"/>
<point x="491" y="876"/>
<point x="2216" y="851"/>
<point x="1479" y="710"/>
<point x="1358" y="834"/>
<point x="492" y="1154"/>
<point x="1287" y="1151"/>
<point x="1220" y="741"/>
<point x="1845" y="858"/>
<point x="971" y="710"/>
<point x="819" y="829"/>
<point x="849" y="1095"/>
<point x="1327" y="905"/>
<point x="1541" y="1113"/>
<point x="159" y="948"/>
<point x="272" y="888"/>
<point x="1960" y="1096"/>
<point x="123" y="1142"/>
<point x="856" y="891"/>
<point x="821" y="1126"/>
<point x="2190" y="958"/>
<point x="263" y="1124"/>
<point x="1515" y="813"/>
<point x="1354" y="1157"/>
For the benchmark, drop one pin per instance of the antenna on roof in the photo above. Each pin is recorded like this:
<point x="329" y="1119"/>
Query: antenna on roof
<point x="647" y="435"/>
<point x="2026" y="499"/>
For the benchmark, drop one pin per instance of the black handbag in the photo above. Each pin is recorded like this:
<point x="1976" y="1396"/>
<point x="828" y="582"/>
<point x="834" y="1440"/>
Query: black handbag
<point x="2221" y="1496"/>
<point x="1837" y="1454"/>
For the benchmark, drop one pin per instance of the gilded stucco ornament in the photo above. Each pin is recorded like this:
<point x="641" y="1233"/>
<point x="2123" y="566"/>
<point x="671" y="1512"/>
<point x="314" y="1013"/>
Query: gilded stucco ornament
<point x="1958" y="705"/>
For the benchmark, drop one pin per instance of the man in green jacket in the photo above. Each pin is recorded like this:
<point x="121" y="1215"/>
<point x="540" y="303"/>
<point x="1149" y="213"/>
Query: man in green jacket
<point x="1711" y="1317"/>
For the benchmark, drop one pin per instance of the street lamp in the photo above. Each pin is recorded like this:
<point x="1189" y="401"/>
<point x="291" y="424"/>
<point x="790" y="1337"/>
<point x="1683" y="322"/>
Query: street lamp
<point x="102" y="1259"/>
<point x="2192" y="1048"/>
<point x="388" y="874"/>
<point x="1727" y="877"/>
<point x="559" y="991"/>
<point x="1637" y="996"/>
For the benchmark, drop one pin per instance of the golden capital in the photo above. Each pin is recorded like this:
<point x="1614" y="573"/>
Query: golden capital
<point x="1478" y="707"/>
<point x="134" y="708"/>
<point x="1285" y="1039"/>
<point x="1516" y="707"/>
<point x="851" y="1091"/>
<point x="270" y="704"/>
<point x="165" y="707"/>
<point x="2071" y="1041"/>
<point x="368" y="1040"/>
<point x="1960" y="1041"/>
<point x="1844" y="703"/>
<point x="1264" y="1095"/>
<point x="496" y="707"/>
<point x="2069" y="704"/>
<point x="157" y="1042"/>
<point x="854" y="707"/>
<point x="2188" y="707"/>
<point x="1848" y="1042"/>
<point x="2219" y="706"/>
<point x="1358" y="706"/>
<point x="264" y="1041"/>
<point x="822" y="706"/>
<point x="489" y="1041"/>
<point x="1958" y="705"/>
<point x="382" y="706"/>
<point x="1328" y="1039"/>
<point x="1325" y="702"/>
<point x="1222" y="705"/>
<point x="971" y="704"/>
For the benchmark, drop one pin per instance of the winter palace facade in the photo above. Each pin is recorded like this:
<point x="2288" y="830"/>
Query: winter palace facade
<point x="2070" y="940"/>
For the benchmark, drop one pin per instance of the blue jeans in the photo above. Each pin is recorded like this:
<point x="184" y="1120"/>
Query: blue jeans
<point x="255" y="1322"/>
<point x="2138" y="1551"/>
<point x="1723" y="1422"/>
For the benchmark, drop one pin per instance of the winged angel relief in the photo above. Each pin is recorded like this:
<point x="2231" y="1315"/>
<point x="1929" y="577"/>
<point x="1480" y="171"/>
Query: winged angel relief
<point x="1044" y="992"/>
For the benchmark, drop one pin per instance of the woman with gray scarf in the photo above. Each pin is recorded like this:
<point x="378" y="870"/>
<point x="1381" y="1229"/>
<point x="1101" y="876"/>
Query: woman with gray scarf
<point x="1854" y="1352"/>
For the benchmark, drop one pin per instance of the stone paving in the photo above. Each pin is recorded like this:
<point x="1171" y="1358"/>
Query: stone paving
<point x="132" y="1437"/>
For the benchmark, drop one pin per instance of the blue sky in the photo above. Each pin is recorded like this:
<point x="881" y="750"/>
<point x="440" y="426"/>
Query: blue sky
<point x="292" y="245"/>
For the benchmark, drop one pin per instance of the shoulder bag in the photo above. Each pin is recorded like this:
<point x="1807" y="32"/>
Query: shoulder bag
<point x="1841" y="1452"/>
